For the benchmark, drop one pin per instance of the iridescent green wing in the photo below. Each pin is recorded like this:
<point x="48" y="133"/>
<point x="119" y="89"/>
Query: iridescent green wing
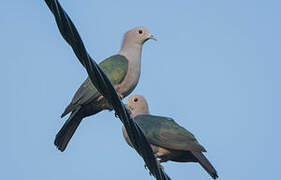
<point x="165" y="132"/>
<point x="115" y="67"/>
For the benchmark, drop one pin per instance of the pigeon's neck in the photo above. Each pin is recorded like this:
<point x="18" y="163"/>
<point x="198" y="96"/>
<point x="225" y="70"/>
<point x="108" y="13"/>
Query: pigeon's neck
<point x="132" y="52"/>
<point x="136" y="113"/>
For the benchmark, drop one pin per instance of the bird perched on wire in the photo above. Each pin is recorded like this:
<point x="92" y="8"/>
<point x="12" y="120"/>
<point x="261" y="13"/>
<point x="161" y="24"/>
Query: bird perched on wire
<point x="123" y="70"/>
<point x="169" y="141"/>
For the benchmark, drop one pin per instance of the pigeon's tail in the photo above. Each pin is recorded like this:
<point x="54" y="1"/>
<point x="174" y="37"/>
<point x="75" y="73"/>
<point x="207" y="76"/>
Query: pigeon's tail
<point x="68" y="129"/>
<point x="203" y="161"/>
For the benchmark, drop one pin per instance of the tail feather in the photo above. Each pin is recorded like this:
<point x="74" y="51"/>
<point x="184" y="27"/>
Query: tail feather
<point x="67" y="110"/>
<point x="67" y="130"/>
<point x="203" y="161"/>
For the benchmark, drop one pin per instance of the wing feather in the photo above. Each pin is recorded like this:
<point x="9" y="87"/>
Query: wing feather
<point x="115" y="67"/>
<point x="165" y="132"/>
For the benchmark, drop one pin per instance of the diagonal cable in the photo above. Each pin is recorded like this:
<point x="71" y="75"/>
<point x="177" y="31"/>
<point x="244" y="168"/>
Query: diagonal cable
<point x="104" y="86"/>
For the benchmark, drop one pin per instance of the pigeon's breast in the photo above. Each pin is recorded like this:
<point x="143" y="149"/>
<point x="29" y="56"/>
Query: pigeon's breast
<point x="131" y="80"/>
<point x="133" y="74"/>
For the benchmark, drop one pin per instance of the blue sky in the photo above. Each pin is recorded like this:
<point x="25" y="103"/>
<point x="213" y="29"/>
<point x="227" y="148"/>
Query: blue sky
<point x="215" y="70"/>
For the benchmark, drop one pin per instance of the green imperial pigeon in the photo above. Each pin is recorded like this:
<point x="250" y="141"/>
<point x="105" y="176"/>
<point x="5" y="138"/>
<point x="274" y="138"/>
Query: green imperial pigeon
<point x="123" y="70"/>
<point x="169" y="141"/>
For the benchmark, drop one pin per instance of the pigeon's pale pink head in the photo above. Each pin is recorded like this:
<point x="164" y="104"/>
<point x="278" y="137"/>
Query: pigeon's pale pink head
<point x="137" y="105"/>
<point x="137" y="35"/>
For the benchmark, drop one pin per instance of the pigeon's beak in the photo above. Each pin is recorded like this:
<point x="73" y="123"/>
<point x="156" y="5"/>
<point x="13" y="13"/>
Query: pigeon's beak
<point x="152" y="37"/>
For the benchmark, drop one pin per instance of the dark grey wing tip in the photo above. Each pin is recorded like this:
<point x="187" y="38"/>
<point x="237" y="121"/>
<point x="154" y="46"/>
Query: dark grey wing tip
<point x="67" y="110"/>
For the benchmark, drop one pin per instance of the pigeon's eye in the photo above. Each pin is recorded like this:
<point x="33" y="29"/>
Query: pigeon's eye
<point x="140" y="31"/>
<point x="136" y="100"/>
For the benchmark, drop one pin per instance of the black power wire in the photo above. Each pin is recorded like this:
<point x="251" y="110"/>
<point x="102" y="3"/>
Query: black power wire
<point x="104" y="86"/>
